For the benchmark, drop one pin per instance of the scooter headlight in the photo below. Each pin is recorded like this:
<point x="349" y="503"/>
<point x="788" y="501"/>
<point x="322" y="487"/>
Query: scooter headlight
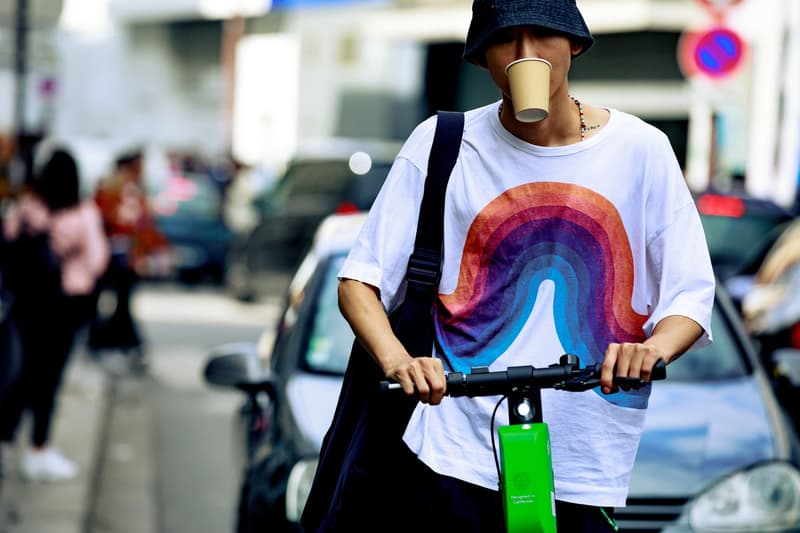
<point x="763" y="498"/>
<point x="298" y="487"/>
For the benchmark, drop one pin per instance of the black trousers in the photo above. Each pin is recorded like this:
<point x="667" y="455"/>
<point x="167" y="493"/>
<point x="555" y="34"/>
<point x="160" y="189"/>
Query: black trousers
<point x="119" y="329"/>
<point x="47" y="334"/>
<point x="420" y="500"/>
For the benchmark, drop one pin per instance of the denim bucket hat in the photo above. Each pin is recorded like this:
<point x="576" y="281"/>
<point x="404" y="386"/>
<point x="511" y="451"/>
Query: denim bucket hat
<point x="491" y="16"/>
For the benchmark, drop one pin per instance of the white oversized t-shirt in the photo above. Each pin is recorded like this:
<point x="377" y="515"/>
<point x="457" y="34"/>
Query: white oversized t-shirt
<point x="547" y="250"/>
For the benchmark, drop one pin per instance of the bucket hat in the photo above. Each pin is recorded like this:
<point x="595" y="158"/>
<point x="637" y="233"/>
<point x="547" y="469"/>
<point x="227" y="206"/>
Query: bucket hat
<point x="491" y="16"/>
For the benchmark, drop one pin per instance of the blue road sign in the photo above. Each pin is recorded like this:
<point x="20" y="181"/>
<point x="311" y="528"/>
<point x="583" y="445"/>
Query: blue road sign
<point x="715" y="53"/>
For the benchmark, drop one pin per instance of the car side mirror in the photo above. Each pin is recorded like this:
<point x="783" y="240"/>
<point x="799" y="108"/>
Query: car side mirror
<point x="786" y="364"/>
<point x="237" y="365"/>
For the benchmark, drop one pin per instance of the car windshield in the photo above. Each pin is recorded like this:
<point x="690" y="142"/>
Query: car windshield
<point x="722" y="359"/>
<point x="737" y="234"/>
<point x="733" y="240"/>
<point x="188" y="196"/>
<point x="330" y="341"/>
<point x="330" y="338"/>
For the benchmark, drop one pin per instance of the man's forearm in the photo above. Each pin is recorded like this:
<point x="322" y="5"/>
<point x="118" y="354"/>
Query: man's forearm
<point x="673" y="335"/>
<point x="361" y="307"/>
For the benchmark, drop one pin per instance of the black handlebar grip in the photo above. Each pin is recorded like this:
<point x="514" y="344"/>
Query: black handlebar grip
<point x="659" y="371"/>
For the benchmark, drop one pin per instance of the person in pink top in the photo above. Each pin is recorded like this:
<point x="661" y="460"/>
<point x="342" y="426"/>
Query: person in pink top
<point x="56" y="252"/>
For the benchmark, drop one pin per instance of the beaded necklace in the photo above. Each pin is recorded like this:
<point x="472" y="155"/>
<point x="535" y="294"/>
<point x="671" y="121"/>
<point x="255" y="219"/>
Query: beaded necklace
<point x="580" y="114"/>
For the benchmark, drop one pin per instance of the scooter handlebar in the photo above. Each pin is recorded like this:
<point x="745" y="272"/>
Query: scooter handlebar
<point x="570" y="377"/>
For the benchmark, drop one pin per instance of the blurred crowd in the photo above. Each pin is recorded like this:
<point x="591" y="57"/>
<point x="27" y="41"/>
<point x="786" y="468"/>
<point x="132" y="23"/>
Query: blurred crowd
<point x="71" y="255"/>
<point x="54" y="251"/>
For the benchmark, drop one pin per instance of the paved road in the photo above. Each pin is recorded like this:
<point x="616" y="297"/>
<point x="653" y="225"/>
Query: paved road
<point x="169" y="464"/>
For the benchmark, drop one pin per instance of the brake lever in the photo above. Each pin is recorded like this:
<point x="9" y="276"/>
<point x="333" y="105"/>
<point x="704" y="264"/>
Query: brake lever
<point x="578" y="384"/>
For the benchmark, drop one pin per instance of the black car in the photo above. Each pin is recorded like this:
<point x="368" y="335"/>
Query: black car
<point x="188" y="209"/>
<point x="717" y="453"/>
<point x="335" y="176"/>
<point x="739" y="229"/>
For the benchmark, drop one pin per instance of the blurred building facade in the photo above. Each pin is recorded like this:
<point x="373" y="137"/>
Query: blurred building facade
<point x="258" y="77"/>
<point x="28" y="71"/>
<point x="38" y="29"/>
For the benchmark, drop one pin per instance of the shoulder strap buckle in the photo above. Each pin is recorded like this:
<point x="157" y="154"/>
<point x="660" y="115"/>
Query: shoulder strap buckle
<point x="423" y="269"/>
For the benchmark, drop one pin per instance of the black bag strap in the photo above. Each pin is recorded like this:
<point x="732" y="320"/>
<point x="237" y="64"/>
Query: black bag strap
<point x="367" y="426"/>
<point x="425" y="262"/>
<point x="415" y="329"/>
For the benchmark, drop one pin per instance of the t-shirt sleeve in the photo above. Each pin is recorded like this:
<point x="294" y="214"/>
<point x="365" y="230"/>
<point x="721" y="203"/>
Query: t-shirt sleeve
<point x="380" y="254"/>
<point x="680" y="276"/>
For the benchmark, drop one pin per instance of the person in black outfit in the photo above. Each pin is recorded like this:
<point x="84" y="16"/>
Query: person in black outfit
<point x="56" y="251"/>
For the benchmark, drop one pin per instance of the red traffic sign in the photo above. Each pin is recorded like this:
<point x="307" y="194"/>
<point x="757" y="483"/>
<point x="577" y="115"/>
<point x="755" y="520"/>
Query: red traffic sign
<point x="715" y="53"/>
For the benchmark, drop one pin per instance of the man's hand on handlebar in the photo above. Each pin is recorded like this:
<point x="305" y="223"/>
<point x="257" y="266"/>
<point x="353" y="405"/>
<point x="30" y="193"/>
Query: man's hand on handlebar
<point x="628" y="359"/>
<point x="421" y="376"/>
<point x="566" y="375"/>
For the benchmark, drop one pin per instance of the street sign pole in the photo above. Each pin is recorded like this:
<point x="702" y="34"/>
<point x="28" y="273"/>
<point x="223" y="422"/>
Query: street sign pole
<point x="708" y="57"/>
<point x="719" y="8"/>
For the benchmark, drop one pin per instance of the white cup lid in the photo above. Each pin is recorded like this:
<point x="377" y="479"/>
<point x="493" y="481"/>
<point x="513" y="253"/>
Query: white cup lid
<point x="528" y="59"/>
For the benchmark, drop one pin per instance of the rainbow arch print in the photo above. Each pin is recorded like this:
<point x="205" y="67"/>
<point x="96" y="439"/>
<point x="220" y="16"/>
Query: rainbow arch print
<point x="535" y="232"/>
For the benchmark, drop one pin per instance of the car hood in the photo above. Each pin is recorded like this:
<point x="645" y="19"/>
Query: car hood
<point x="312" y="401"/>
<point x="697" y="432"/>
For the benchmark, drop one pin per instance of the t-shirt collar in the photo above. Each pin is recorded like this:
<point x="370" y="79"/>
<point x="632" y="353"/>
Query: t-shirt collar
<point x="579" y="146"/>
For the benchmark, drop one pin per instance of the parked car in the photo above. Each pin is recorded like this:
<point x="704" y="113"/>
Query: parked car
<point x="273" y="438"/>
<point x="739" y="231"/>
<point x="717" y="453"/>
<point x="189" y="213"/>
<point x="334" y="176"/>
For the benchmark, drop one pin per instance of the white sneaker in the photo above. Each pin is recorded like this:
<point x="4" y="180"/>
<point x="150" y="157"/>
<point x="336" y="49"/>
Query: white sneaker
<point x="48" y="464"/>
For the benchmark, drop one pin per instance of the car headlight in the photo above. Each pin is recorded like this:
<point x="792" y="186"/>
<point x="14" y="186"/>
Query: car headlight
<point x="765" y="497"/>
<point x="298" y="486"/>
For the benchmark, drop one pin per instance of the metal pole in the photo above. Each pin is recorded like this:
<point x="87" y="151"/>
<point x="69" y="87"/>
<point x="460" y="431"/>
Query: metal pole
<point x="20" y="65"/>
<point x="789" y="148"/>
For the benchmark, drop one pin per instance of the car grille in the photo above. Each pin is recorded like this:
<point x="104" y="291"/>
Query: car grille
<point x="645" y="515"/>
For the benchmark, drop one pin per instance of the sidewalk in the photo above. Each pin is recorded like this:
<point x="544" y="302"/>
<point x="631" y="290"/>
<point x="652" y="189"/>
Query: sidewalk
<point x="83" y="409"/>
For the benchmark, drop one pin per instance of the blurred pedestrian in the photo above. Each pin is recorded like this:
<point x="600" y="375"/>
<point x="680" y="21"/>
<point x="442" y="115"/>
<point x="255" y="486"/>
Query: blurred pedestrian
<point x="9" y="356"/>
<point x="56" y="253"/>
<point x="138" y="249"/>
<point x="9" y="362"/>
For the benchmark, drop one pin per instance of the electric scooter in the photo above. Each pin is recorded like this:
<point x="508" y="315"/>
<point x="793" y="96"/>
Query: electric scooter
<point x="525" y="466"/>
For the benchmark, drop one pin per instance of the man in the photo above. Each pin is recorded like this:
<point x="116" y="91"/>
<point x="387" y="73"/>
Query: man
<point x="574" y="234"/>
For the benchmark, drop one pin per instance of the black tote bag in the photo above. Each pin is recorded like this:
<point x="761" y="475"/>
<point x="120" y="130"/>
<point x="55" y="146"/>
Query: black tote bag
<point x="354" y="478"/>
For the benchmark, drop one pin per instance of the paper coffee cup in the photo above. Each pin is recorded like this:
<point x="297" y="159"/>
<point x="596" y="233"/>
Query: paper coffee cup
<point x="529" y="81"/>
